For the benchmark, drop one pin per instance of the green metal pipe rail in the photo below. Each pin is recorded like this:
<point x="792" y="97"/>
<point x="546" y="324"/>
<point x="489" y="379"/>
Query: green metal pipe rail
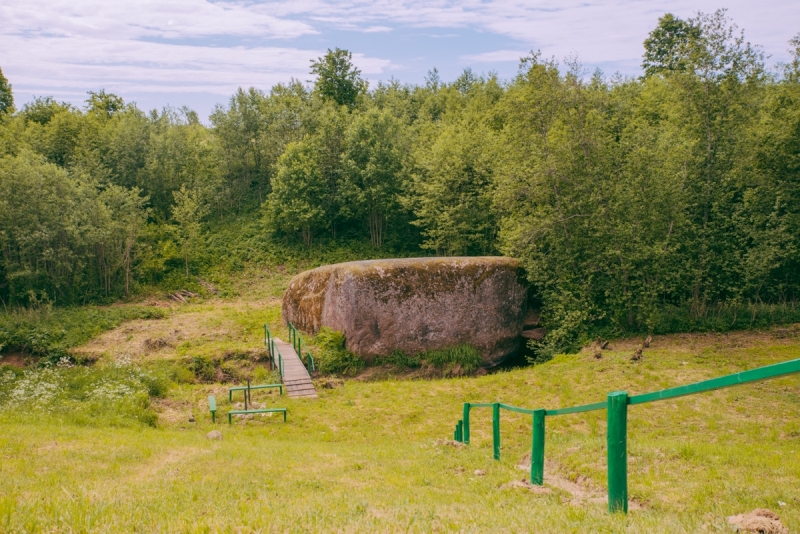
<point x="248" y="388"/>
<point x="275" y="358"/>
<point x="616" y="404"/>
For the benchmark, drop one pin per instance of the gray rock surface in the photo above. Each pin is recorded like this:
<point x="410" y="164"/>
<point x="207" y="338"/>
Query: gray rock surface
<point x="414" y="305"/>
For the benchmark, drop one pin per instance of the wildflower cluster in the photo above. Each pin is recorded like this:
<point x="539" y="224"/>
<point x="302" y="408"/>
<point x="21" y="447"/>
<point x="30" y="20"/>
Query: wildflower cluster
<point x="117" y="393"/>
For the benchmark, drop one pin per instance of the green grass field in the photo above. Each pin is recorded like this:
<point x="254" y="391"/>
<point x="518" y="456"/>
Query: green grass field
<point x="364" y="457"/>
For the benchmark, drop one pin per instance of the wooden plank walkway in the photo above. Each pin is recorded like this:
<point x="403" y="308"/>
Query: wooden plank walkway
<point x="296" y="379"/>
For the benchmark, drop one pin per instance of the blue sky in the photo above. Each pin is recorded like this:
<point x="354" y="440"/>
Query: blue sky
<point x="197" y="52"/>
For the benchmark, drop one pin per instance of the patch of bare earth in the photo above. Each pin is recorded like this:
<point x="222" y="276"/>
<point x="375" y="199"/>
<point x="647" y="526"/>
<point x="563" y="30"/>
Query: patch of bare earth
<point x="14" y="359"/>
<point x="153" y="339"/>
<point x="759" y="521"/>
<point x="579" y="492"/>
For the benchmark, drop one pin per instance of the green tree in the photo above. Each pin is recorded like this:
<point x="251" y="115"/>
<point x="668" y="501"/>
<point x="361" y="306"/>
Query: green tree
<point x="668" y="45"/>
<point x="6" y="96"/>
<point x="373" y="171"/>
<point x="104" y="104"/>
<point x="188" y="213"/>
<point x="337" y="78"/>
<point x="296" y="203"/>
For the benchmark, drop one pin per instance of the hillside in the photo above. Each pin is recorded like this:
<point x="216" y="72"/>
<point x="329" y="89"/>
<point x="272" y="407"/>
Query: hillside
<point x="373" y="456"/>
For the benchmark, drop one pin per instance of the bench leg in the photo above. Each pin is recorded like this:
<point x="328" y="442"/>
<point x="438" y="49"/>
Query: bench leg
<point x="229" y="419"/>
<point x="214" y="416"/>
<point x="284" y="416"/>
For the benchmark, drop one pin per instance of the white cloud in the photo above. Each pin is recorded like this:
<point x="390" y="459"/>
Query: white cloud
<point x="65" y="47"/>
<point x="496" y="56"/>
<point x="68" y="63"/>
<point x="175" y="19"/>
<point x="377" y="29"/>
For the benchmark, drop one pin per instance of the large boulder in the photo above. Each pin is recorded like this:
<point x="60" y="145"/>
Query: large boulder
<point x="414" y="305"/>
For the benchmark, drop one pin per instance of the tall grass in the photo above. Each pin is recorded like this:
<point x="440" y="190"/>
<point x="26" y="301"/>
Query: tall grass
<point x="113" y="395"/>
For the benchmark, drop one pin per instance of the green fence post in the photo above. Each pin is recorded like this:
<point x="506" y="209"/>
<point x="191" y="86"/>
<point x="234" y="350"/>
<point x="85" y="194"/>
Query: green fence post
<point x="496" y="429"/>
<point x="537" y="448"/>
<point x="466" y="422"/>
<point x="460" y="431"/>
<point x="618" y="452"/>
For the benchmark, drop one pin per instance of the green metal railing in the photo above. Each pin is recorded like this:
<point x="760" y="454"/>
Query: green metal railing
<point x="616" y="404"/>
<point x="275" y="358"/>
<point x="298" y="344"/>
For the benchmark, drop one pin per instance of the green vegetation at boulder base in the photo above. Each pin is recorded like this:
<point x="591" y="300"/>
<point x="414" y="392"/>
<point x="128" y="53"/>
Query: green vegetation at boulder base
<point x="653" y="204"/>
<point x="333" y="357"/>
<point x="464" y="358"/>
<point x="364" y="456"/>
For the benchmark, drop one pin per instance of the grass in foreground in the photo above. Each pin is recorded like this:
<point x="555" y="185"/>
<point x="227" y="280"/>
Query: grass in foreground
<point x="364" y="456"/>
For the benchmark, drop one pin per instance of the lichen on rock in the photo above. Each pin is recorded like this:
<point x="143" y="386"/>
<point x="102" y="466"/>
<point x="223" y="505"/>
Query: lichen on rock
<point x="414" y="305"/>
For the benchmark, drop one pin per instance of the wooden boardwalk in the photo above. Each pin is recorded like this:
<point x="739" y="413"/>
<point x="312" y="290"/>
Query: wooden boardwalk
<point x="296" y="379"/>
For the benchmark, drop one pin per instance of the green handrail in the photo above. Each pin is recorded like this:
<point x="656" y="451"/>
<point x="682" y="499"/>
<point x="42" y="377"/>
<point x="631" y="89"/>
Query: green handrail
<point x="616" y="404"/>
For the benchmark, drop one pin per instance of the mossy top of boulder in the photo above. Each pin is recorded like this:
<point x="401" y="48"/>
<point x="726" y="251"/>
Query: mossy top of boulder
<point x="404" y="278"/>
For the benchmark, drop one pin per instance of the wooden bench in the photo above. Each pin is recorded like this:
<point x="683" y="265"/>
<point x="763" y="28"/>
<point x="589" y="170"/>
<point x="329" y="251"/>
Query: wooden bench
<point x="212" y="406"/>
<point x="262" y="410"/>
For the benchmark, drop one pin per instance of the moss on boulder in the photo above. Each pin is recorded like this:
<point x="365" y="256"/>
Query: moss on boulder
<point x="414" y="305"/>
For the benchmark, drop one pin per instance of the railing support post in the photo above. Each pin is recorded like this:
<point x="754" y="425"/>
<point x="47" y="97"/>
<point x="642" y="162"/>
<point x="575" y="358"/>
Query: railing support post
<point x="537" y="448"/>
<point x="466" y="422"/>
<point x="618" y="452"/>
<point x="496" y="429"/>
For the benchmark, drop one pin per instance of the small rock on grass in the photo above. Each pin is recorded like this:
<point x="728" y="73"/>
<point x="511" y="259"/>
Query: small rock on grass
<point x="760" y="520"/>
<point x="479" y="472"/>
<point x="214" y="434"/>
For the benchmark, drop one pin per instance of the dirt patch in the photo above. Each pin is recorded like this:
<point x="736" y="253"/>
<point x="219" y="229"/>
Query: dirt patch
<point x="327" y="382"/>
<point x="759" y="521"/>
<point x="14" y="359"/>
<point x="524" y="484"/>
<point x="172" y="411"/>
<point x="581" y="491"/>
<point x="221" y="326"/>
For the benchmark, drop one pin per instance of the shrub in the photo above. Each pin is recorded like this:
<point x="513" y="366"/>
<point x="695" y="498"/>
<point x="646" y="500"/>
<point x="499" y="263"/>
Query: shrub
<point x="203" y="368"/>
<point x="333" y="356"/>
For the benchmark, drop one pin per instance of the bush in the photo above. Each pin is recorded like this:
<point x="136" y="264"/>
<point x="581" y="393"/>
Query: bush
<point x="203" y="368"/>
<point x="333" y="357"/>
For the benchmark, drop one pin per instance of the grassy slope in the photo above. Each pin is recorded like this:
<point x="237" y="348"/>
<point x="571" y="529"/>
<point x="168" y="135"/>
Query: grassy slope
<point x="363" y="457"/>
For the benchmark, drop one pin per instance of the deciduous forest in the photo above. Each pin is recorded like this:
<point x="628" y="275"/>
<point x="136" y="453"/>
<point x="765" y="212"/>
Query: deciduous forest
<point x="634" y="204"/>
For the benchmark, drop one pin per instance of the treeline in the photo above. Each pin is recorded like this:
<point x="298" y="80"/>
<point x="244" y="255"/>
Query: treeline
<point x="622" y="197"/>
